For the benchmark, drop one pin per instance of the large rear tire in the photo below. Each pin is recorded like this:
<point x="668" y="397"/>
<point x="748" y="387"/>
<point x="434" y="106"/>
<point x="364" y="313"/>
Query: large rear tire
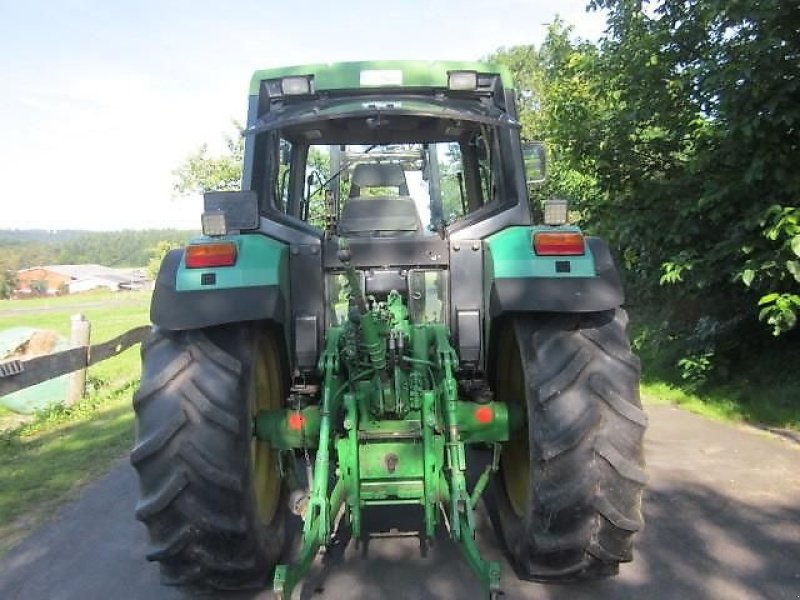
<point x="570" y="484"/>
<point x="211" y="495"/>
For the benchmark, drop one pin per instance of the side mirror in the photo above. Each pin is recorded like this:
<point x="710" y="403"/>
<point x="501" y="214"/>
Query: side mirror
<point x="240" y="210"/>
<point x="535" y="157"/>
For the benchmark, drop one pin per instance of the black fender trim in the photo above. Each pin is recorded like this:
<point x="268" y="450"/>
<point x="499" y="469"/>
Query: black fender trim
<point x="174" y="311"/>
<point x="562" y="294"/>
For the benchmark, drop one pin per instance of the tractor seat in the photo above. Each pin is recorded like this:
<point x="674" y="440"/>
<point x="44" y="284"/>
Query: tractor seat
<point x="378" y="175"/>
<point x="382" y="216"/>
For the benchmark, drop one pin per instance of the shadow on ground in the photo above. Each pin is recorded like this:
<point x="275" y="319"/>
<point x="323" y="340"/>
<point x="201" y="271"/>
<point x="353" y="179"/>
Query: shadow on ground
<point x="717" y="527"/>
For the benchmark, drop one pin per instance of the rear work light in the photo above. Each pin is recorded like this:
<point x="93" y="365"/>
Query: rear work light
<point x="200" y="256"/>
<point x="558" y="243"/>
<point x="214" y="223"/>
<point x="299" y="85"/>
<point x="462" y="81"/>
<point x="556" y="212"/>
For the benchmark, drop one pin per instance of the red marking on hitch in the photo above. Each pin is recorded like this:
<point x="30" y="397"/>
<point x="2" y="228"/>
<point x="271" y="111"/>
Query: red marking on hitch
<point x="484" y="414"/>
<point x="296" y="421"/>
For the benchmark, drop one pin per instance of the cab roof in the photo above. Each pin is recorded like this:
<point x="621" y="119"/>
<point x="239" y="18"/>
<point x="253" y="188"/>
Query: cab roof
<point x="377" y="74"/>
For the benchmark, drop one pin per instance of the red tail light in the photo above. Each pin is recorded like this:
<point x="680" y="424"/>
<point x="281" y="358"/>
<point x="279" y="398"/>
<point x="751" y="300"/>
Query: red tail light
<point x="558" y="243"/>
<point x="202" y="256"/>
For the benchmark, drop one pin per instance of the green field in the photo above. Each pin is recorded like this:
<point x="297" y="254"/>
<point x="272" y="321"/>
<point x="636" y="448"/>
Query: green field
<point x="110" y="313"/>
<point x="45" y="459"/>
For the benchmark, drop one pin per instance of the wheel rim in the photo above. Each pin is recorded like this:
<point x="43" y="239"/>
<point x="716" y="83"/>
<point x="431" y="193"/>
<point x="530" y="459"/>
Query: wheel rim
<point x="265" y="394"/>
<point x="515" y="464"/>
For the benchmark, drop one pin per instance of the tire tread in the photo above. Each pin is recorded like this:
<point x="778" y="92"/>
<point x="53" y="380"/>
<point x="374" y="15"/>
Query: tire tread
<point x="586" y="429"/>
<point x="191" y="441"/>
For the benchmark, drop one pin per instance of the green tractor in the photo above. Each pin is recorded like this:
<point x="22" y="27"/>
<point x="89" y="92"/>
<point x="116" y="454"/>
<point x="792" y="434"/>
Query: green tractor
<point x="375" y="300"/>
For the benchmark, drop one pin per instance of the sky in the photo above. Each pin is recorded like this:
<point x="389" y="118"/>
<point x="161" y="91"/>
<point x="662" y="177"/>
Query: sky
<point x="100" y="101"/>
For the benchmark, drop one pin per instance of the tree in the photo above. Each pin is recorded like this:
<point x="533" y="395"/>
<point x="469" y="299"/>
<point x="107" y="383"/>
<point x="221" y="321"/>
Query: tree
<point x="675" y="138"/>
<point x="562" y="101"/>
<point x="157" y="254"/>
<point x="201" y="173"/>
<point x="8" y="283"/>
<point x="712" y="100"/>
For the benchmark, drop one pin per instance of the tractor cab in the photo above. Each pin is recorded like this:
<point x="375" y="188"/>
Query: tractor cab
<point x="437" y="140"/>
<point x="402" y="160"/>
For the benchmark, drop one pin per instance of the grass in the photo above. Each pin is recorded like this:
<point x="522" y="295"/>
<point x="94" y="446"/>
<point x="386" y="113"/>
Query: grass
<point x="45" y="462"/>
<point x="46" y="458"/>
<point x="111" y="313"/>
<point x="762" y="389"/>
<point x="774" y="406"/>
<point x="712" y="405"/>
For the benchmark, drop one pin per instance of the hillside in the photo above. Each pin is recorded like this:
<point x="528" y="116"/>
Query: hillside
<point x="21" y="249"/>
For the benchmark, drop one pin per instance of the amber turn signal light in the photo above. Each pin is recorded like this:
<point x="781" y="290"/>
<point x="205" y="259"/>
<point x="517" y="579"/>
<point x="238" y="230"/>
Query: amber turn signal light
<point x="202" y="256"/>
<point x="552" y="243"/>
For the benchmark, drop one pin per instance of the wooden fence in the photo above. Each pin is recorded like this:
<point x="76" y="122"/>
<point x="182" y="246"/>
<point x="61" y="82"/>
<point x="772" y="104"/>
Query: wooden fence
<point x="19" y="374"/>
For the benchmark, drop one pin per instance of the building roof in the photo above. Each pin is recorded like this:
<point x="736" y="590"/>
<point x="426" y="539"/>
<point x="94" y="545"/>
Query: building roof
<point x="77" y="272"/>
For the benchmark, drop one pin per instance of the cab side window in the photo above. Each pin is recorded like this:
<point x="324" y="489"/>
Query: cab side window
<point x="282" y="171"/>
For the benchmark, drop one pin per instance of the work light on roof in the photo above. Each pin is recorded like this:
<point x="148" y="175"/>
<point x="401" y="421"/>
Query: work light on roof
<point x="462" y="81"/>
<point x="299" y="85"/>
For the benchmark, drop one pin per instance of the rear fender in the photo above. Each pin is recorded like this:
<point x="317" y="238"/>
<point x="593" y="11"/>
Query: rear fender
<point x="256" y="288"/>
<point x="516" y="280"/>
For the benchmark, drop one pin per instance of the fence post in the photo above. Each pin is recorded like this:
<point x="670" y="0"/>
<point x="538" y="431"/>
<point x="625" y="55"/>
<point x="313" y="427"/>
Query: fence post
<point x="79" y="336"/>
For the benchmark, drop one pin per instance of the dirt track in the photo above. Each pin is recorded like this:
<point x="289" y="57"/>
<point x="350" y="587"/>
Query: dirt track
<point x="722" y="512"/>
